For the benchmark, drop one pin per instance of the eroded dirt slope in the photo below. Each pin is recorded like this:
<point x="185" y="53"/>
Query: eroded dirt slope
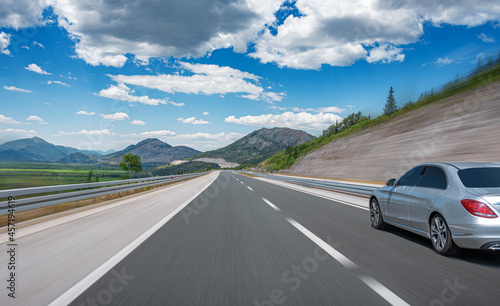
<point x="465" y="127"/>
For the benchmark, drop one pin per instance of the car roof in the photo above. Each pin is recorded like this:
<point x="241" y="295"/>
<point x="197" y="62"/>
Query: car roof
<point x="467" y="165"/>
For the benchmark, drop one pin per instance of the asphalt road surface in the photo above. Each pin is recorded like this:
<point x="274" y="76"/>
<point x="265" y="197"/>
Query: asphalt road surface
<point x="54" y="255"/>
<point x="249" y="242"/>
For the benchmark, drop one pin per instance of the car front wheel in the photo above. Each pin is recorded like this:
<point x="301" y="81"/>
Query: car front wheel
<point x="441" y="237"/>
<point x="376" y="215"/>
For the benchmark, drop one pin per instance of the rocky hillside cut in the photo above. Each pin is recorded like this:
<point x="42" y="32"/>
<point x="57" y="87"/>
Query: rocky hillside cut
<point x="463" y="127"/>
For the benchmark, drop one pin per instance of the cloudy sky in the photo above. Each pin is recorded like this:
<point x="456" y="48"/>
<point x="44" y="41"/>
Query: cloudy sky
<point x="106" y="74"/>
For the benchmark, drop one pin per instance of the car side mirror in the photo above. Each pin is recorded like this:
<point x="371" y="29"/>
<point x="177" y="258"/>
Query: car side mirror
<point x="390" y="182"/>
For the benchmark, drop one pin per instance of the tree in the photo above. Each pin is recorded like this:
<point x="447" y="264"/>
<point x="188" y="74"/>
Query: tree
<point x="390" y="105"/>
<point x="490" y="62"/>
<point x="89" y="177"/>
<point x="131" y="162"/>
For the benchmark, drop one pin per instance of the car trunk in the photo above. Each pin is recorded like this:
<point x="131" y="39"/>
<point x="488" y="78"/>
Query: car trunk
<point x="491" y="195"/>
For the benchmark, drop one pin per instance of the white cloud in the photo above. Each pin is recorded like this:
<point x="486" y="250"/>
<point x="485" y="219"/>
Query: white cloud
<point x="4" y="119"/>
<point x="137" y="122"/>
<point x="192" y="120"/>
<point x="37" y="119"/>
<point x="485" y="38"/>
<point x="154" y="134"/>
<point x="300" y="120"/>
<point x="178" y="28"/>
<point x="48" y="103"/>
<point x="35" y="68"/>
<point x="13" y="88"/>
<point x="279" y="107"/>
<point x="14" y="134"/>
<point x="206" y="79"/>
<point x="58" y="82"/>
<point x="326" y="109"/>
<point x="123" y="93"/>
<point x="115" y="117"/>
<point x="205" y="113"/>
<point x="385" y="53"/>
<point x="4" y="43"/>
<point x="104" y="132"/>
<point x="83" y="112"/>
<point x="207" y="136"/>
<point x="338" y="33"/>
<point x="443" y="61"/>
<point x="35" y="43"/>
<point x="22" y="13"/>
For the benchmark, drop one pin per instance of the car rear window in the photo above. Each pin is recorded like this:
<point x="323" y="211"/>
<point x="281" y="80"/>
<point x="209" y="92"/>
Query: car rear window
<point x="480" y="177"/>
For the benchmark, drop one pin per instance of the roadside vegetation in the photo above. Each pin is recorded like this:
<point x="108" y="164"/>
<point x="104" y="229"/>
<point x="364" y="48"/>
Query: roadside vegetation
<point x="188" y="167"/>
<point x="131" y="163"/>
<point x="33" y="174"/>
<point x="482" y="75"/>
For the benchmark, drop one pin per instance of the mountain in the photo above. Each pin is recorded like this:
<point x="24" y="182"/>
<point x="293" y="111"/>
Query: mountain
<point x="37" y="149"/>
<point x="257" y="146"/>
<point x="152" y="151"/>
<point x="77" y="158"/>
<point x="31" y="149"/>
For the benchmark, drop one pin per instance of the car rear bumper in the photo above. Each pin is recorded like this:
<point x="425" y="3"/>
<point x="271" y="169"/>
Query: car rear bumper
<point x="478" y="233"/>
<point x="478" y="242"/>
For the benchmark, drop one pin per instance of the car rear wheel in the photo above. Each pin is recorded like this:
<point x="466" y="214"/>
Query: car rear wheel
<point x="441" y="237"/>
<point x="376" y="215"/>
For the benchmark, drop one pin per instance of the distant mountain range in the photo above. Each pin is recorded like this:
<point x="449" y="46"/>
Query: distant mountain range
<point x="256" y="146"/>
<point x="251" y="149"/>
<point x="152" y="151"/>
<point x="37" y="149"/>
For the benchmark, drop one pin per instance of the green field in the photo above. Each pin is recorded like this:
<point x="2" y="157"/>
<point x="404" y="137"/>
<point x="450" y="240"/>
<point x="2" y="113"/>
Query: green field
<point x="33" y="174"/>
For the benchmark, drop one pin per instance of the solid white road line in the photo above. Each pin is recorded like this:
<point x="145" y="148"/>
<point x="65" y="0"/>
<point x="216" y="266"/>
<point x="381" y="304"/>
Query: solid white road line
<point x="380" y="289"/>
<point x="249" y="188"/>
<point x="271" y="204"/>
<point x="75" y="291"/>
<point x="346" y="262"/>
<point x="387" y="294"/>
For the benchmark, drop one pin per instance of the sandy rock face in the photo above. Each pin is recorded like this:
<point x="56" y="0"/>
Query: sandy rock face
<point x="465" y="127"/>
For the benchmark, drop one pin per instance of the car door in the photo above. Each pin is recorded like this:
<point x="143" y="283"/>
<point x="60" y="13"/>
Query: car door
<point x="428" y="189"/>
<point x="397" y="202"/>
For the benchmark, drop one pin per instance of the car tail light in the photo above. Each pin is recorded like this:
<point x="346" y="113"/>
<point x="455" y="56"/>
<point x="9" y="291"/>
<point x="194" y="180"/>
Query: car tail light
<point x="478" y="209"/>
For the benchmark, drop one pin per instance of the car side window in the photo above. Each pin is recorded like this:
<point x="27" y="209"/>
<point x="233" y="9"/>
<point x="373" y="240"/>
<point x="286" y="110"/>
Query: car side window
<point x="411" y="177"/>
<point x="434" y="177"/>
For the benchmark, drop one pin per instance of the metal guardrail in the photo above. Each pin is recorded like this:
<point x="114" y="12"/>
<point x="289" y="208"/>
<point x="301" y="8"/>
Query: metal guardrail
<point x="98" y="189"/>
<point x="334" y="186"/>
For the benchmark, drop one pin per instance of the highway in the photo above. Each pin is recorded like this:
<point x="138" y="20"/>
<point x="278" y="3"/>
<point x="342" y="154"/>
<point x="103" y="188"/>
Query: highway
<point x="241" y="241"/>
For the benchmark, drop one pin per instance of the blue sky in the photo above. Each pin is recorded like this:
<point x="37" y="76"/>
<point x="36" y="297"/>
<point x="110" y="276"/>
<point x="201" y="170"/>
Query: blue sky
<point x="203" y="74"/>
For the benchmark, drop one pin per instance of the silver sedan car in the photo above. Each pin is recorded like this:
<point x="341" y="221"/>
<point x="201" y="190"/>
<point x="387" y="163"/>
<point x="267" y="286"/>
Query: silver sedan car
<point x="455" y="205"/>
